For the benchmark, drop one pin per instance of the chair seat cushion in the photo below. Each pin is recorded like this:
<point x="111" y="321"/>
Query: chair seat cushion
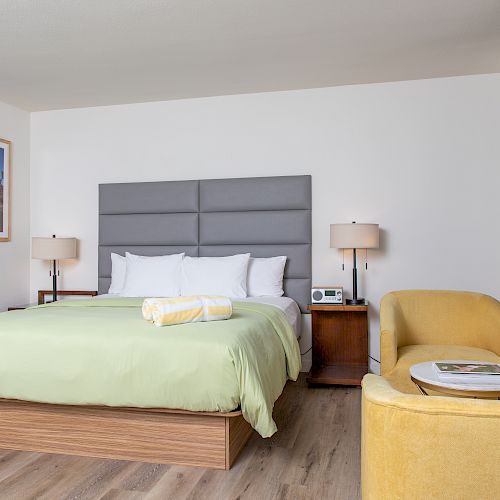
<point x="399" y="376"/>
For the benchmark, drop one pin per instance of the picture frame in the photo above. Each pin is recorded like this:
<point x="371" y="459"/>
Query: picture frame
<point x="5" y="199"/>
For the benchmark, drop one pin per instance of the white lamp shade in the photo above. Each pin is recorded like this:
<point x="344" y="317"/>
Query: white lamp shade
<point x="53" y="248"/>
<point x="354" y="235"/>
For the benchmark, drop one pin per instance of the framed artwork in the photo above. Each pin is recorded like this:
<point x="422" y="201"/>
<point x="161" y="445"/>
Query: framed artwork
<point x="4" y="190"/>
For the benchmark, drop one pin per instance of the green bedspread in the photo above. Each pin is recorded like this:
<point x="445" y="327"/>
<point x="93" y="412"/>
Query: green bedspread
<point x="102" y="352"/>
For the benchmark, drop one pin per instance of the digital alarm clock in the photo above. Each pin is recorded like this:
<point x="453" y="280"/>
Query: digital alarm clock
<point x="326" y="295"/>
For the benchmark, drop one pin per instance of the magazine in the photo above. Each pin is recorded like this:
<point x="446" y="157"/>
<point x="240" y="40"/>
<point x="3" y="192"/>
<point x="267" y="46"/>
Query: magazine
<point x="454" y="369"/>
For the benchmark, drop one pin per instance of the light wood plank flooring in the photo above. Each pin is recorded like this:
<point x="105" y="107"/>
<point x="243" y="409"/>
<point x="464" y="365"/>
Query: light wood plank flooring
<point x="315" y="454"/>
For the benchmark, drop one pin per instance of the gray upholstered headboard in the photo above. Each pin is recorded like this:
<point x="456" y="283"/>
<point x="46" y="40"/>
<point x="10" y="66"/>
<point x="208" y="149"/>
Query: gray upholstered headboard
<point x="267" y="216"/>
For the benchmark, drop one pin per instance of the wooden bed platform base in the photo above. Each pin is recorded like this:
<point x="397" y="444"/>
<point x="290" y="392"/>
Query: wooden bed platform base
<point x="146" y="435"/>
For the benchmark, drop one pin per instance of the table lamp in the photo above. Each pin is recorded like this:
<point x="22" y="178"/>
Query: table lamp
<point x="354" y="236"/>
<point x="53" y="249"/>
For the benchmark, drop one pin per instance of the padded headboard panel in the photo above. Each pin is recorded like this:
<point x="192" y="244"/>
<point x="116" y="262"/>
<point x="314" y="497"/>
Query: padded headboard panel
<point x="267" y="216"/>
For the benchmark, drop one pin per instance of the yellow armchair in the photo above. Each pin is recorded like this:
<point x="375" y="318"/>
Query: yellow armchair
<point x="416" y="446"/>
<point x="428" y="447"/>
<point x="424" y="325"/>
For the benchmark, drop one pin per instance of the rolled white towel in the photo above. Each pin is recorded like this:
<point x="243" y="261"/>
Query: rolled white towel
<point x="178" y="310"/>
<point x="148" y="307"/>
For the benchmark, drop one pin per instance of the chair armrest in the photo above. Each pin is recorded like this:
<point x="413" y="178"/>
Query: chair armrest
<point x="488" y="324"/>
<point x="391" y="332"/>
<point x="388" y="351"/>
<point x="378" y="391"/>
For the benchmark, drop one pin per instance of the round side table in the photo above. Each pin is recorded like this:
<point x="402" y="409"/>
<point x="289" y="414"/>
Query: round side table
<point x="424" y="376"/>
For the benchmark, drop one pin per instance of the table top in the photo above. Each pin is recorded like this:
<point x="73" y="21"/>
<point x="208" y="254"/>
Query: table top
<point x="425" y="372"/>
<point x="337" y="307"/>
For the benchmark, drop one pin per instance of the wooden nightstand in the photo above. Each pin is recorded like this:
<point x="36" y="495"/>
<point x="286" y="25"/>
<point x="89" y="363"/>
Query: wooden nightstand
<point x="62" y="293"/>
<point x="339" y="344"/>
<point x="43" y="293"/>
<point x="20" y="308"/>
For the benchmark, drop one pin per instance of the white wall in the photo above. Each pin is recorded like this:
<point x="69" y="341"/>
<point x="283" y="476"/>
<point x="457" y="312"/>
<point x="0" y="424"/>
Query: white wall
<point x="14" y="254"/>
<point x="421" y="158"/>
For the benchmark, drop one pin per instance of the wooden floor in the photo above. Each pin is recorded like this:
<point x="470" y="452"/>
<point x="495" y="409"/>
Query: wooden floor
<point x="316" y="454"/>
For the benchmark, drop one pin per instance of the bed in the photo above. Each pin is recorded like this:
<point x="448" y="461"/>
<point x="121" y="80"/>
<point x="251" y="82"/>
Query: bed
<point x="74" y="389"/>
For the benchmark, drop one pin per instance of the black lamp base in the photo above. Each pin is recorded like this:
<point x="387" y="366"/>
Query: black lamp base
<point x="355" y="302"/>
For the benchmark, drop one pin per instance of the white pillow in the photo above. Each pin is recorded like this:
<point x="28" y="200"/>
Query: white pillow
<point x="265" y="276"/>
<point x="118" y="269"/>
<point x="152" y="276"/>
<point x="215" y="276"/>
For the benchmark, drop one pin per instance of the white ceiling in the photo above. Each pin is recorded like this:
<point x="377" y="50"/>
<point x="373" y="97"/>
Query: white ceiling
<point x="63" y="54"/>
